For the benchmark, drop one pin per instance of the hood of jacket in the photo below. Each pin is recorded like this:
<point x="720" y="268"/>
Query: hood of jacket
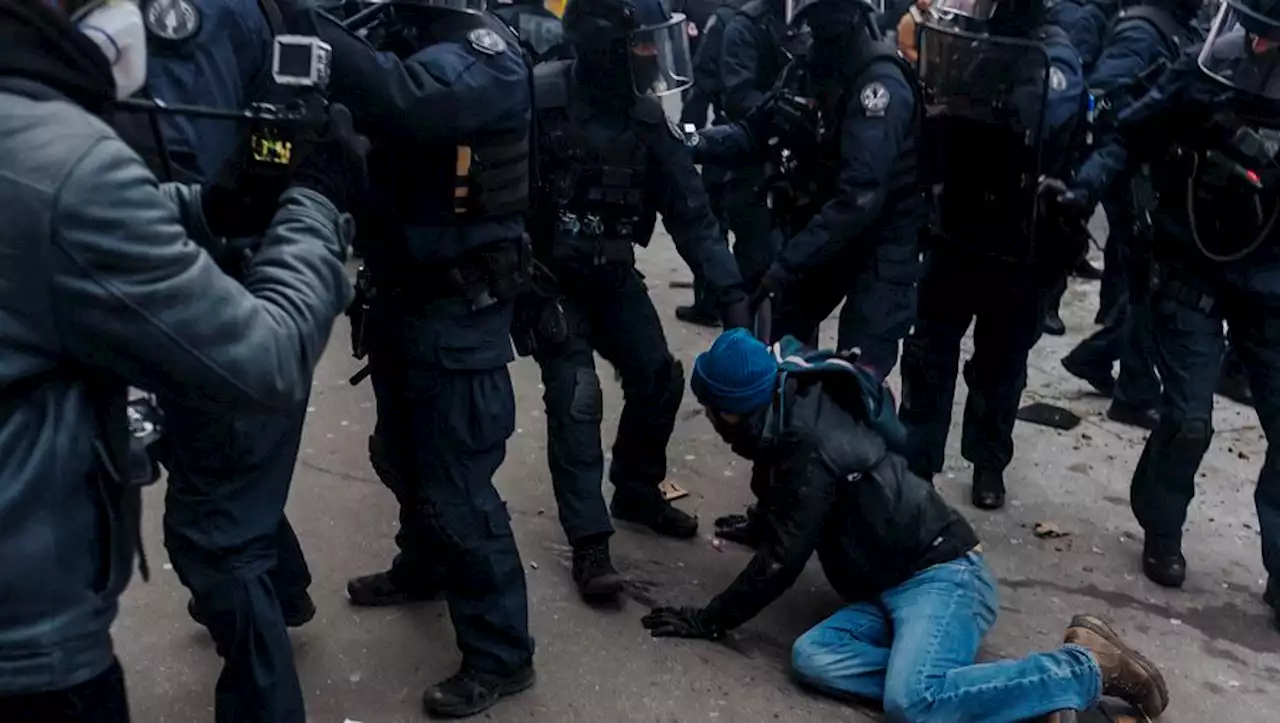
<point x="42" y="46"/>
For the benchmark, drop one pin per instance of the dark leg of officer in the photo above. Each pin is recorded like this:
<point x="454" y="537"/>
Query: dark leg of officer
<point x="1234" y="384"/>
<point x="1256" y="338"/>
<point x="233" y="548"/>
<point x="1187" y="327"/>
<point x="443" y="421"/>
<point x="880" y="306"/>
<point x="575" y="408"/>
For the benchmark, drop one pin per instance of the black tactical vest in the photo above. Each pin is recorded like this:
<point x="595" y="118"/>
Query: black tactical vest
<point x="809" y="167"/>
<point x="591" y="201"/>
<point x="478" y="178"/>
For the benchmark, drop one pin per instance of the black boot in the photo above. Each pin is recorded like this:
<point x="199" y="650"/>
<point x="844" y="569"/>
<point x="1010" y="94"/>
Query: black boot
<point x="988" y="489"/>
<point x="1163" y="563"/>
<point x="597" y="580"/>
<point x="379" y="590"/>
<point x="1052" y="323"/>
<point x="1146" y="418"/>
<point x="297" y="611"/>
<point x="1092" y="374"/>
<point x="468" y="692"/>
<point x="700" y="314"/>
<point x="1234" y="385"/>
<point x="645" y="507"/>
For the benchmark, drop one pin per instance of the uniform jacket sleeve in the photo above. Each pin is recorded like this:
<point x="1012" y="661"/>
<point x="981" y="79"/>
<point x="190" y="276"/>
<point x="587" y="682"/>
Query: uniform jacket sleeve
<point x="134" y="295"/>
<point x="1140" y="131"/>
<point x="1086" y="23"/>
<point x="1134" y="46"/>
<point x="729" y="145"/>
<point x="870" y="142"/>
<point x="686" y="213"/>
<point x="794" y="516"/>
<point x="425" y="102"/>
<point x="739" y="68"/>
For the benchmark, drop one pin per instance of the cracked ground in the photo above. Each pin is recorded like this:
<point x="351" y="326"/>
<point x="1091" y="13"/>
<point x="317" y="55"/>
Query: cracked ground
<point x="1212" y="639"/>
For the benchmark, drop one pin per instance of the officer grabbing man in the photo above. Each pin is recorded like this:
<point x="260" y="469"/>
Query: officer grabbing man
<point x="610" y="161"/>
<point x="1209" y="129"/>
<point x="1005" y="96"/>
<point x="750" y="60"/>
<point x="445" y="97"/>
<point x="842" y="132"/>
<point x="1143" y="41"/>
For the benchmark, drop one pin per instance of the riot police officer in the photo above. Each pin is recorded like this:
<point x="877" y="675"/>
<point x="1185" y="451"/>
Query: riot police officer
<point x="751" y="58"/>
<point x="1002" y="111"/>
<point x="447" y="105"/>
<point x="847" y="192"/>
<point x="229" y="471"/>
<point x="1143" y="41"/>
<point x="1209" y="130"/>
<point x="540" y="31"/>
<point x="610" y="160"/>
<point x="1086" y="24"/>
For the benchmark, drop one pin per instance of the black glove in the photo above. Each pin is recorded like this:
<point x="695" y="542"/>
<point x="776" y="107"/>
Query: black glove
<point x="240" y="202"/>
<point x="680" y="623"/>
<point x="1070" y="201"/>
<point x="771" y="286"/>
<point x="331" y="160"/>
<point x="737" y="314"/>
<point x="741" y="529"/>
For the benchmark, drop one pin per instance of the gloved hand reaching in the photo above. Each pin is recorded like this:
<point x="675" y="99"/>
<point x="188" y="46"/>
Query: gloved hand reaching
<point x="239" y="202"/>
<point x="332" y="160"/>
<point x="680" y="623"/>
<point x="1071" y="201"/>
<point x="772" y="285"/>
<point x="741" y="529"/>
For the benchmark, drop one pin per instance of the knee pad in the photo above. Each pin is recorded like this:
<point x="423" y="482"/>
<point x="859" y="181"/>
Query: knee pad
<point x="381" y="462"/>
<point x="587" y="400"/>
<point x="669" y="386"/>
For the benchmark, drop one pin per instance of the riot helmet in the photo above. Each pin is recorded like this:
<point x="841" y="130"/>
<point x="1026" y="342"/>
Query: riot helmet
<point x="634" y="47"/>
<point x="1242" y="50"/>
<point x="839" y="31"/>
<point x="999" y="17"/>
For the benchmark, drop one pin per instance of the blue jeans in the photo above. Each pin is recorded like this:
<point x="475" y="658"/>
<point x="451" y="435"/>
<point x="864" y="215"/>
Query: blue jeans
<point x="914" y="649"/>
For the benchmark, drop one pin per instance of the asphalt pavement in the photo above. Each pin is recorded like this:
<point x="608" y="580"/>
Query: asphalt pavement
<point x="1212" y="639"/>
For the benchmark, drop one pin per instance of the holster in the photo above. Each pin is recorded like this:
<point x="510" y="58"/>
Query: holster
<point x="493" y="273"/>
<point x="540" y="321"/>
<point x="360" y="313"/>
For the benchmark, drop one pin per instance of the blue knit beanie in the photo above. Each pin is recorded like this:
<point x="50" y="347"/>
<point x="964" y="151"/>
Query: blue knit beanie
<point x="736" y="375"/>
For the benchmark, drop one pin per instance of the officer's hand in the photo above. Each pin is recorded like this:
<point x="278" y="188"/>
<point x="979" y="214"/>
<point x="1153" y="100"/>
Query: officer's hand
<point x="239" y="203"/>
<point x="771" y="286"/>
<point x="331" y="161"/>
<point x="680" y="623"/>
<point x="737" y="314"/>
<point x="1072" y="201"/>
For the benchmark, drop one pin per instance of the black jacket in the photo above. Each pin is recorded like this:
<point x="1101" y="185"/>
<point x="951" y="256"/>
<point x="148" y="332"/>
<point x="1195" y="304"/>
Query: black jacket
<point x="833" y="488"/>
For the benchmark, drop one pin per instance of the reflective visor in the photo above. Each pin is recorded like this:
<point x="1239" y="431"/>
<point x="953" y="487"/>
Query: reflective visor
<point x="1243" y="52"/>
<point x="659" y="58"/>
<point x="972" y="9"/>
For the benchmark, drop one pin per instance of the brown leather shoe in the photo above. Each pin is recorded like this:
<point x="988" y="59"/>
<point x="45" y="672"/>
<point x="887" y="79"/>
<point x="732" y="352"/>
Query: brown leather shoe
<point x="1126" y="674"/>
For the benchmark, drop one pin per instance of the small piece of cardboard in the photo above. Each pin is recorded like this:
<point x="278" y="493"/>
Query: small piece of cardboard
<point x="671" y="491"/>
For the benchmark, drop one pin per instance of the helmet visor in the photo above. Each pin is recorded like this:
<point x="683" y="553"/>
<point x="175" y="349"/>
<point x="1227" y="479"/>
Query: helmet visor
<point x="1243" y="51"/>
<point x="794" y="10"/>
<point x="972" y="9"/>
<point x="659" y="58"/>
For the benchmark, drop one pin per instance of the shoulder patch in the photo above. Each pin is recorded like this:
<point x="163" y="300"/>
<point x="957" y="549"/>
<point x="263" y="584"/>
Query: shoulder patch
<point x="173" y="20"/>
<point x="1057" y="79"/>
<point x="486" y="41"/>
<point x="874" y="98"/>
